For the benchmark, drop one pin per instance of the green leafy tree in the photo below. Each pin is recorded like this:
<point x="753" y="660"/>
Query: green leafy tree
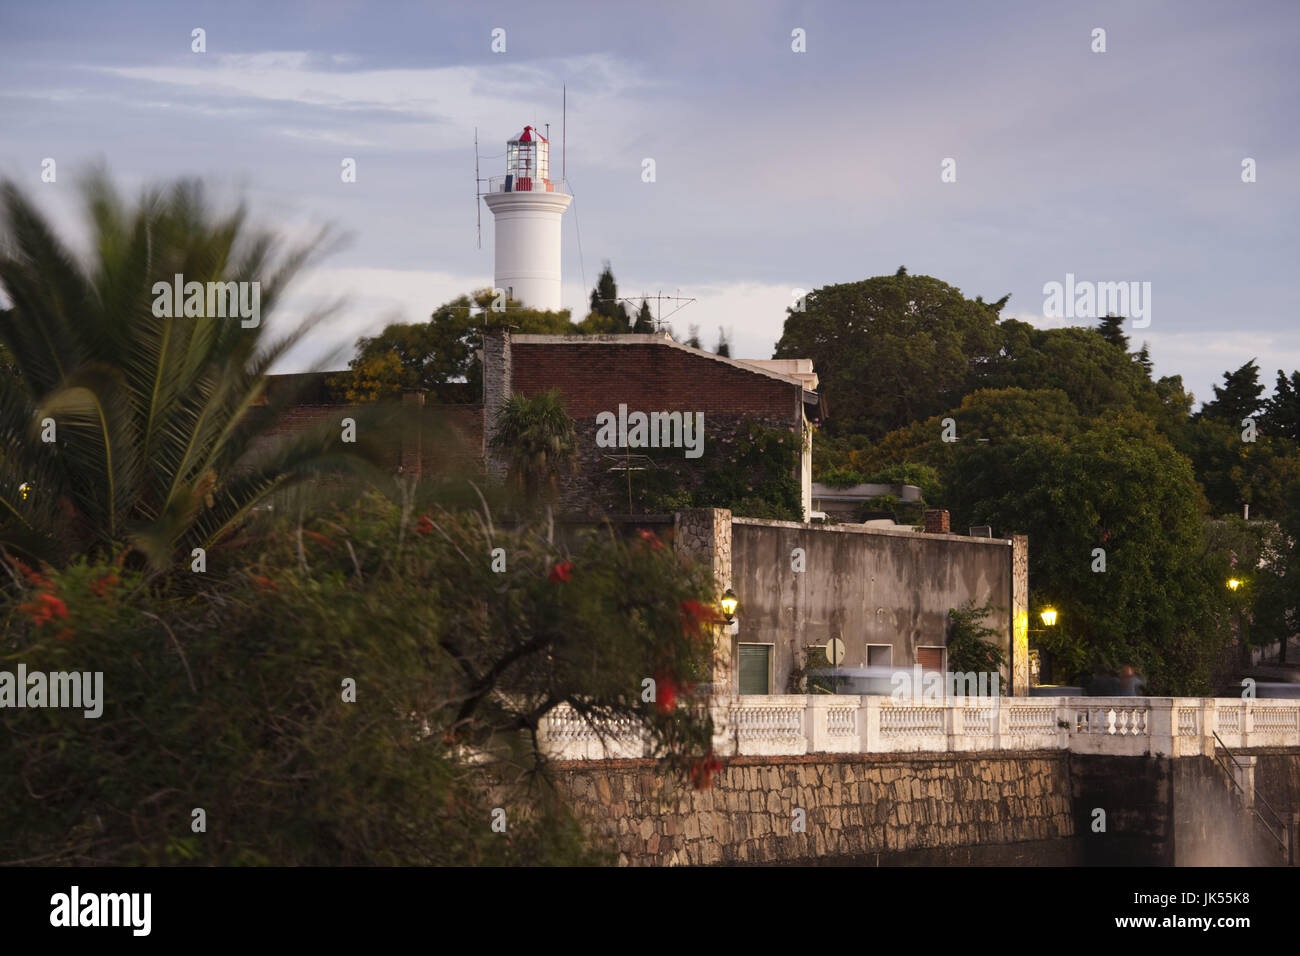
<point x="1282" y="410"/>
<point x="1240" y="396"/>
<point x="1111" y="329"/>
<point x="440" y="351"/>
<point x="724" y="345"/>
<point x="1276" y="610"/>
<point x="608" y="315"/>
<point x="226" y="691"/>
<point x="1118" y="486"/>
<point x="160" y="444"/>
<point x="1098" y="377"/>
<point x="539" y="441"/>
<point x="1235" y="472"/>
<point x="890" y="350"/>
<point x="973" y="647"/>
<point x="645" y="322"/>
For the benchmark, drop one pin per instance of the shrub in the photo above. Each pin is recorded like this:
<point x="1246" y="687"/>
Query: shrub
<point x="226" y="693"/>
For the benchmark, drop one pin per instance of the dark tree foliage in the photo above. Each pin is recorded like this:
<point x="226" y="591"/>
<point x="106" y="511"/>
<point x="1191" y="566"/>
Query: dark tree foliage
<point x="1112" y="330"/>
<point x="1282" y="411"/>
<point x="890" y="350"/>
<point x="607" y="315"/>
<point x="426" y="355"/>
<point x="724" y="345"/>
<point x="1240" y="396"/>
<point x="161" y="441"/>
<point x="1122" y="488"/>
<point x="226" y="691"/>
<point x="645" y="322"/>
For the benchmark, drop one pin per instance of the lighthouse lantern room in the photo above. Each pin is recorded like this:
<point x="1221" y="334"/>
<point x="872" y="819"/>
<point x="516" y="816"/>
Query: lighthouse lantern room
<point x="528" y="163"/>
<point x="527" y="209"/>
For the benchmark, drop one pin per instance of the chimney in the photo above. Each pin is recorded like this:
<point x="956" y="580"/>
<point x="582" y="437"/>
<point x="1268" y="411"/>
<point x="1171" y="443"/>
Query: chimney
<point x="496" y="389"/>
<point x="936" y="521"/>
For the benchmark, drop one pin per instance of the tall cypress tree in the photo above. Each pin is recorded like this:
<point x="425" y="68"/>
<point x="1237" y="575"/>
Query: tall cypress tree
<point x="724" y="346"/>
<point x="1239" y="398"/>
<point x="607" y="313"/>
<point x="1112" y="330"/>
<point x="644" y="321"/>
<point x="1282" y="411"/>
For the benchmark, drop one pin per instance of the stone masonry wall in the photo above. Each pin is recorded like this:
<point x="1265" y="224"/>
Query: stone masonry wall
<point x="857" y="806"/>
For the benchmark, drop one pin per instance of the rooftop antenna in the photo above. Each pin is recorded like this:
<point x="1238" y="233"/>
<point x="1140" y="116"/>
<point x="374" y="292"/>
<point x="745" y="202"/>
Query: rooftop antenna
<point x="478" y="207"/>
<point x="564" y="133"/>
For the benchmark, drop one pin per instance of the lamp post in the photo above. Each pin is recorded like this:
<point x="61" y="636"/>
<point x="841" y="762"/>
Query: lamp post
<point x="1048" y="616"/>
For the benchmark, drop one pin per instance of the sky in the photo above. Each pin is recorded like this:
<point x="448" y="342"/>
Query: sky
<point x="775" y="170"/>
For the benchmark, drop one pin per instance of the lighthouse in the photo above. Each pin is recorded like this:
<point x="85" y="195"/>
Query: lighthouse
<point x="527" y="208"/>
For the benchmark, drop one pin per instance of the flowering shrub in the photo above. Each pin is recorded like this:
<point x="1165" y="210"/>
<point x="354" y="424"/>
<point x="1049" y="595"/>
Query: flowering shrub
<point x="224" y="691"/>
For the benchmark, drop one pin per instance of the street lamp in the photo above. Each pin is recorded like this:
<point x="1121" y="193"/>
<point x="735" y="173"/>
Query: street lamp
<point x="1233" y="584"/>
<point x="1049" y="616"/>
<point x="729" y="603"/>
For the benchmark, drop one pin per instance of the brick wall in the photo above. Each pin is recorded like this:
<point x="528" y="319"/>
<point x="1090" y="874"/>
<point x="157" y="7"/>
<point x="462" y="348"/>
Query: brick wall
<point x="446" y="436"/>
<point x="647" y="377"/>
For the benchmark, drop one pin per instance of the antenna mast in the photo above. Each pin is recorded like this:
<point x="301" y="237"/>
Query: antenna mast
<point x="478" y="208"/>
<point x="564" y="131"/>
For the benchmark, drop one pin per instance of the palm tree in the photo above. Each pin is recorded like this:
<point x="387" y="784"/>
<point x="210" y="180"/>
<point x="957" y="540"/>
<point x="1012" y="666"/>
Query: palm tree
<point x="159" y="446"/>
<point x="537" y="438"/>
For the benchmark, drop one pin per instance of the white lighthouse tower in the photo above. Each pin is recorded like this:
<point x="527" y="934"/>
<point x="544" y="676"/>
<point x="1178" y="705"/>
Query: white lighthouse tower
<point x="527" y="208"/>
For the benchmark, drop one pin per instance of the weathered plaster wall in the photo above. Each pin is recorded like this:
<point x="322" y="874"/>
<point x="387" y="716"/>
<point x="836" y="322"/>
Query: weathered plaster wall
<point x="864" y="586"/>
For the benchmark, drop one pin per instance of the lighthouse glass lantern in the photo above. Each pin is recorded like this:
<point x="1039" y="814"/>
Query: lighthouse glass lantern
<point x="528" y="163"/>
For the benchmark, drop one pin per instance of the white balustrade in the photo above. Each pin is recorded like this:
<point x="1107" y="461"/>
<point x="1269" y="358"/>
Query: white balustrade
<point x="779" y="725"/>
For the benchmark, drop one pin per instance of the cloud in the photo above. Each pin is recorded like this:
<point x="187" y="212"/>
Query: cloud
<point x="455" y="98"/>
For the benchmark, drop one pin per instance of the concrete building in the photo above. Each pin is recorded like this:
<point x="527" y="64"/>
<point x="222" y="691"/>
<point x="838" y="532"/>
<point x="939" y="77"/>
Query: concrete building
<point x="883" y="593"/>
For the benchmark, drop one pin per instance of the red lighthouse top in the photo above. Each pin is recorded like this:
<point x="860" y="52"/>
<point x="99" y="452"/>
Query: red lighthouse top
<point x="528" y="162"/>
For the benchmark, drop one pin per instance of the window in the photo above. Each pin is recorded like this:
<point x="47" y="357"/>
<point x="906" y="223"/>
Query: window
<point x="880" y="655"/>
<point x="817" y="667"/>
<point x="930" y="659"/>
<point x="755" y="668"/>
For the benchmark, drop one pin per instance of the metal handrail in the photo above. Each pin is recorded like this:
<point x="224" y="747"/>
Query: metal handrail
<point x="1259" y="797"/>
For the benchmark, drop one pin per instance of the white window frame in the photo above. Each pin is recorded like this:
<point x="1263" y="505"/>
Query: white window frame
<point x="771" y="663"/>
<point x="866" y="660"/>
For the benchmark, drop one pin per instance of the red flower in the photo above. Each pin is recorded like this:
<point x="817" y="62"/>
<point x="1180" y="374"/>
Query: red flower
<point x="317" y="536"/>
<point x="696" y="614"/>
<point x="651" y="538"/>
<point x="425" y="525"/>
<point x="665" y="693"/>
<point x="35" y="577"/>
<point x="264" y="584"/>
<point x="561" y="572"/>
<point x="702" y="771"/>
<point x="103" y="584"/>
<point x="45" y="608"/>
